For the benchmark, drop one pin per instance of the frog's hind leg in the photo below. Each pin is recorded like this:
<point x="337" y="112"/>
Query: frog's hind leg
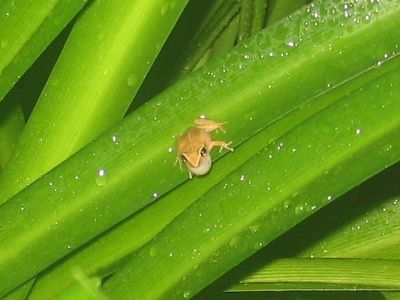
<point x="209" y="125"/>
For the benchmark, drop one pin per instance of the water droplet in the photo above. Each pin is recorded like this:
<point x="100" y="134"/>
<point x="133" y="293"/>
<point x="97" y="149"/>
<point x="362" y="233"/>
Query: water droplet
<point x="329" y="198"/>
<point x="206" y="230"/>
<point x="254" y="228"/>
<point x="101" y="177"/>
<point x="259" y="245"/>
<point x="242" y="177"/>
<point x="358" y="131"/>
<point x="187" y="294"/>
<point x="114" y="138"/>
<point x="170" y="149"/>
<point x="155" y="195"/>
<point x="291" y="43"/>
<point x="299" y="209"/>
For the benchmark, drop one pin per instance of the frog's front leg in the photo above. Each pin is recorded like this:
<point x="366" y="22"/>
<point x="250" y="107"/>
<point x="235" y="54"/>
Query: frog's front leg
<point x="178" y="160"/>
<point x="209" y="125"/>
<point x="221" y="145"/>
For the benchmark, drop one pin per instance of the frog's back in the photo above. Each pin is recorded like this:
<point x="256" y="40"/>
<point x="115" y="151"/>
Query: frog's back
<point x="192" y="140"/>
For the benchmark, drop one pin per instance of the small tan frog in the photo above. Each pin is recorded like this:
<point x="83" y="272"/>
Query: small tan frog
<point x="195" y="145"/>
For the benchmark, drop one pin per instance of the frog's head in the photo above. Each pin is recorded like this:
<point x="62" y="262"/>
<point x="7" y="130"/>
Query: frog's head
<point x="198" y="162"/>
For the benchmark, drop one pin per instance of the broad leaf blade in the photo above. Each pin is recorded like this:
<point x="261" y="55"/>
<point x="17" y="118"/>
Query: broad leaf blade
<point x="248" y="88"/>
<point x="99" y="71"/>
<point x="26" y="31"/>
<point x="154" y="217"/>
<point x="323" y="274"/>
<point x="302" y="172"/>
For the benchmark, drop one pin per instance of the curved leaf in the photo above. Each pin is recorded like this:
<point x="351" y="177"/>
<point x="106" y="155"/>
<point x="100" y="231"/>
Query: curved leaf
<point x="99" y="71"/>
<point x="131" y="164"/>
<point x="291" y="179"/>
<point x="26" y="32"/>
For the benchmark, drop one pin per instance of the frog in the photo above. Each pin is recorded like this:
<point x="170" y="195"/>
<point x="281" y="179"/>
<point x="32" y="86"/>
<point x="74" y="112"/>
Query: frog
<point x="195" y="145"/>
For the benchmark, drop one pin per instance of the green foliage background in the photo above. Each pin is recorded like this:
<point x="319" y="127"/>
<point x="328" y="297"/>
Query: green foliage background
<point x="94" y="95"/>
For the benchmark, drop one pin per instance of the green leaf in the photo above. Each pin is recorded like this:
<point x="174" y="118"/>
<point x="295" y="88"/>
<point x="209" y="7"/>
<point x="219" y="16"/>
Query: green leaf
<point x="84" y="289"/>
<point x="168" y="65"/>
<point x="362" y="224"/>
<point x="279" y="9"/>
<point x="226" y="40"/>
<point x="300" y="173"/>
<point x="26" y="32"/>
<point x="18" y="103"/>
<point x="88" y="93"/>
<point x="12" y="122"/>
<point x="22" y="292"/>
<point x="246" y="17"/>
<point x="249" y="88"/>
<point x="258" y="22"/>
<point x="154" y="217"/>
<point x="323" y="274"/>
<point x="202" y="42"/>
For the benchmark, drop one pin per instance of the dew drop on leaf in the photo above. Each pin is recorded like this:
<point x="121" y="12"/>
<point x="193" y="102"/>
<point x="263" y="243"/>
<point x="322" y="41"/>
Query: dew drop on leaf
<point x="101" y="177"/>
<point x="299" y="209"/>
<point x="115" y="139"/>
<point x="187" y="294"/>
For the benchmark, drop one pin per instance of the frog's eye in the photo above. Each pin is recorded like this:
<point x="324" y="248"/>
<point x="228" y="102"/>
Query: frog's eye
<point x="203" y="152"/>
<point x="183" y="158"/>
